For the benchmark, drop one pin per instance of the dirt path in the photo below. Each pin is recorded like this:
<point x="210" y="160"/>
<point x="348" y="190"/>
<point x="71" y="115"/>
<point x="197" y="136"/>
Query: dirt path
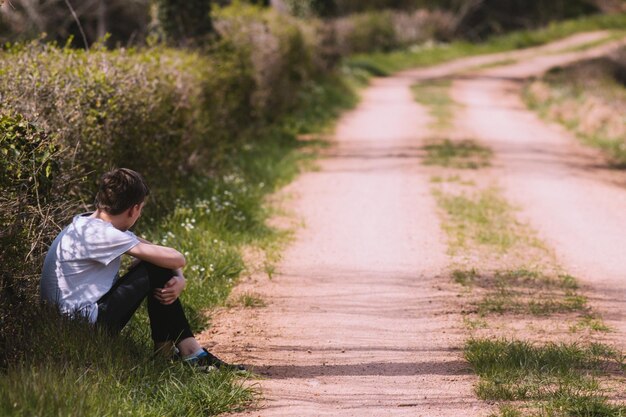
<point x="355" y="324"/>
<point x="565" y="191"/>
<point x="359" y="318"/>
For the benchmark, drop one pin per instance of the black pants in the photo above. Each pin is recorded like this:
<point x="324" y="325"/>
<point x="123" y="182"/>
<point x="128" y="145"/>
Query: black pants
<point x="116" y="307"/>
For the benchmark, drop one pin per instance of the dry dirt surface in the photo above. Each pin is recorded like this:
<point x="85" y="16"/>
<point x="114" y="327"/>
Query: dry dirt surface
<point x="360" y="317"/>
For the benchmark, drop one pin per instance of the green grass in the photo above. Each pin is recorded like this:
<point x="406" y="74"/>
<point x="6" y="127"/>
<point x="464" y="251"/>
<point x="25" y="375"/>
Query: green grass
<point x="437" y="179"/>
<point x="591" y="322"/>
<point x="75" y="370"/>
<point x="523" y="291"/>
<point x="434" y="94"/>
<point x="617" y="34"/>
<point x="69" y="369"/>
<point x="461" y="154"/>
<point x="465" y="277"/>
<point x="431" y="54"/>
<point x="507" y="411"/>
<point x="483" y="218"/>
<point x="505" y="300"/>
<point x="563" y="379"/>
<point x="475" y="323"/>
<point x="486" y="220"/>
<point x="500" y="63"/>
<point x="249" y="300"/>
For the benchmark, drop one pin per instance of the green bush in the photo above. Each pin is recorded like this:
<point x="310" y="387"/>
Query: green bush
<point x="29" y="207"/>
<point x="500" y="16"/>
<point x="284" y="54"/>
<point x="372" y="31"/>
<point x="389" y="30"/>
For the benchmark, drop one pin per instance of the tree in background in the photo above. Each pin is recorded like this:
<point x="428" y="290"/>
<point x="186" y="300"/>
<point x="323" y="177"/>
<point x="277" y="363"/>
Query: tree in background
<point x="185" y="22"/>
<point x="487" y="17"/>
<point x="308" y="8"/>
<point x="126" y="21"/>
<point x="264" y="3"/>
<point x="324" y="8"/>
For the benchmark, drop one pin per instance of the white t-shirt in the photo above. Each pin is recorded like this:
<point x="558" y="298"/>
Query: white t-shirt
<point x="82" y="263"/>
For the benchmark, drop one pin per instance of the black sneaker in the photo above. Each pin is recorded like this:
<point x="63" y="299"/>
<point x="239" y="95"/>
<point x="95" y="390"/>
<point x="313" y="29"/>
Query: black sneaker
<point x="209" y="361"/>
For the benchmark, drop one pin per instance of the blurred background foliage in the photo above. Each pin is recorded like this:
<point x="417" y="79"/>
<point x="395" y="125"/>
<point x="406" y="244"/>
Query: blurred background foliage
<point x="174" y="88"/>
<point x="132" y="22"/>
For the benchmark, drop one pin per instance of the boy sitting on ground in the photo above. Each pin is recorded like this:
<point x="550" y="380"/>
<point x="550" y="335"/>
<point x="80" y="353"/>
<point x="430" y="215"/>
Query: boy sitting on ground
<point x="80" y="272"/>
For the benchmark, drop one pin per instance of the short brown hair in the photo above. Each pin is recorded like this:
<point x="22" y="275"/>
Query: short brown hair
<point x="120" y="189"/>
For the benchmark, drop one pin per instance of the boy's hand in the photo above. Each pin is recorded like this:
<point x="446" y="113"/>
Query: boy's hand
<point x="171" y="291"/>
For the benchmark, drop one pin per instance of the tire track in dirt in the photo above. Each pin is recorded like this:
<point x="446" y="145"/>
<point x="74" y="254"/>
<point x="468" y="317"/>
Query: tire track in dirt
<point x="565" y="190"/>
<point x="359" y="317"/>
<point x="355" y="323"/>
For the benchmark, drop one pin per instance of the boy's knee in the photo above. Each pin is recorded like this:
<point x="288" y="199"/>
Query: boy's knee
<point x="158" y="275"/>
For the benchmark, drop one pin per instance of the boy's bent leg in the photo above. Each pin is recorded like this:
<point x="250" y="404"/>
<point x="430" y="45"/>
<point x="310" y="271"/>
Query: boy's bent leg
<point x="118" y="305"/>
<point x="167" y="322"/>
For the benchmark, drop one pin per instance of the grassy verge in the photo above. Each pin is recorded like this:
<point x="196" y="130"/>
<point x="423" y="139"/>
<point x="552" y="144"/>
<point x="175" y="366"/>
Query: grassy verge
<point x="523" y="291"/>
<point x="430" y="54"/>
<point x="72" y="370"/>
<point x="615" y="35"/>
<point x="511" y="282"/>
<point x="561" y="377"/>
<point x="553" y="379"/>
<point x="589" y="99"/>
<point x="516" y="292"/>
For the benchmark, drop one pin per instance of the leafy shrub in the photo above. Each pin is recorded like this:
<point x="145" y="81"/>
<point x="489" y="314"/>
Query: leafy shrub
<point x="283" y="51"/>
<point x="388" y="30"/>
<point x="124" y="108"/>
<point x="372" y="31"/>
<point x="26" y="170"/>
<point x="31" y="203"/>
<point x="499" y="16"/>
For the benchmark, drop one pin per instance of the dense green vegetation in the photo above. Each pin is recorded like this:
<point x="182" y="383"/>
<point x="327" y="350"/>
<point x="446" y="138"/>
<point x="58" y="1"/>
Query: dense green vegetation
<point x="172" y="115"/>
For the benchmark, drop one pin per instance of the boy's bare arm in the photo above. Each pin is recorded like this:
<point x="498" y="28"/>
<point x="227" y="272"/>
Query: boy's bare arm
<point x="159" y="255"/>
